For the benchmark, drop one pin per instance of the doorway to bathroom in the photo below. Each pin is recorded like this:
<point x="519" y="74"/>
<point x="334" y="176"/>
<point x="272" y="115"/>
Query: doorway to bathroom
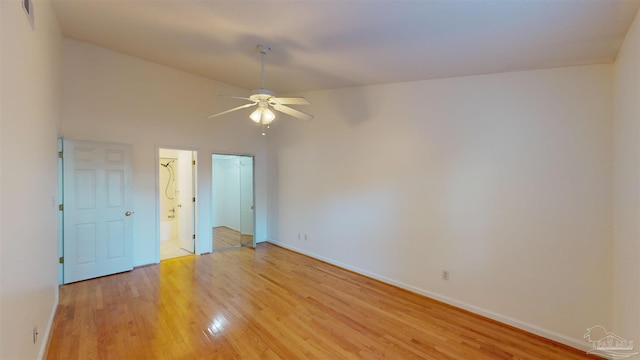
<point x="176" y="202"/>
<point x="233" y="215"/>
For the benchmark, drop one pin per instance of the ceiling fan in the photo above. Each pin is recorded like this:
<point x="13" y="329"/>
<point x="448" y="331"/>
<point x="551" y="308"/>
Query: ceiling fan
<point x="266" y="100"/>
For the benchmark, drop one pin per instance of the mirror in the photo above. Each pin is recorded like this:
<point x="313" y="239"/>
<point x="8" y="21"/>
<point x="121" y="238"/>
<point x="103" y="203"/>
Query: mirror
<point x="233" y="218"/>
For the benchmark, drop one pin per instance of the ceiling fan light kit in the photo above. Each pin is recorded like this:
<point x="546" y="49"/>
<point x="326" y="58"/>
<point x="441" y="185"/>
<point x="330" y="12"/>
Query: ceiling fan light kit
<point x="262" y="115"/>
<point x="266" y="100"/>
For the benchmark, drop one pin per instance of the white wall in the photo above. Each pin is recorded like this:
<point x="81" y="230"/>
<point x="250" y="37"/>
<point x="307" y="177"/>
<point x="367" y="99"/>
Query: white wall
<point x="504" y="180"/>
<point x="626" y="280"/>
<point x="217" y="191"/>
<point x="108" y="96"/>
<point x="231" y="199"/>
<point x="226" y="193"/>
<point x="31" y="84"/>
<point x="1" y="192"/>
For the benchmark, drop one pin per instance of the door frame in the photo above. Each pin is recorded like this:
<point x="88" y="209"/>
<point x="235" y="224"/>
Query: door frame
<point x="59" y="199"/>
<point x="194" y="152"/>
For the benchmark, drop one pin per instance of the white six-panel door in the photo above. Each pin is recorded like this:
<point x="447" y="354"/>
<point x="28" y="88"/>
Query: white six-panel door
<point x="97" y="213"/>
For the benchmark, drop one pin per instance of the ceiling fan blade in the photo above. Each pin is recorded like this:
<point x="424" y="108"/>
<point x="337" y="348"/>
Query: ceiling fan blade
<point x="291" y="100"/>
<point x="292" y="112"/>
<point x="234" y="109"/>
<point x="236" y="97"/>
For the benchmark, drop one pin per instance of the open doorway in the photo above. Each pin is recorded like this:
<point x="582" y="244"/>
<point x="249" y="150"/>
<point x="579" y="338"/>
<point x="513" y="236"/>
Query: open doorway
<point x="176" y="202"/>
<point x="232" y="193"/>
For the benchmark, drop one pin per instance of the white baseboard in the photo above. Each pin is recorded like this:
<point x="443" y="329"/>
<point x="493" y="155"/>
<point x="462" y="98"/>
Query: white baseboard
<point x="47" y="332"/>
<point x="534" y="329"/>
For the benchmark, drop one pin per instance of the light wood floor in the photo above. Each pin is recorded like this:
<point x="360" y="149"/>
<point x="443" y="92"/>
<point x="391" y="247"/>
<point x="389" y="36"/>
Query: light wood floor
<point x="224" y="237"/>
<point x="270" y="303"/>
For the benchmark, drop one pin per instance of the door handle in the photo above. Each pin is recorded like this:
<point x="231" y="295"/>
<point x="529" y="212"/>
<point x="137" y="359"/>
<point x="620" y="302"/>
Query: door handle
<point x="128" y="213"/>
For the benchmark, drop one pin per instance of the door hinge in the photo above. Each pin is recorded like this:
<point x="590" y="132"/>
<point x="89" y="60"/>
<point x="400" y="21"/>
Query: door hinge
<point x="194" y="199"/>
<point x="194" y="236"/>
<point x="61" y="259"/>
<point x="61" y="207"/>
<point x="194" y="162"/>
<point x="60" y="153"/>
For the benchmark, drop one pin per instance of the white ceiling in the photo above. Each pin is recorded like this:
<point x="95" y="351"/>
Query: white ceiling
<point x="334" y="44"/>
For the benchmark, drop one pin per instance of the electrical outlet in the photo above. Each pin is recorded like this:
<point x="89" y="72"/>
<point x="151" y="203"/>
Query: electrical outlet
<point x="299" y="236"/>
<point x="445" y="275"/>
<point x="305" y="237"/>
<point x="35" y="334"/>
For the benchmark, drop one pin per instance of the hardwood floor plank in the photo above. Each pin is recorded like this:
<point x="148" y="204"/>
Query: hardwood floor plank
<point x="271" y="303"/>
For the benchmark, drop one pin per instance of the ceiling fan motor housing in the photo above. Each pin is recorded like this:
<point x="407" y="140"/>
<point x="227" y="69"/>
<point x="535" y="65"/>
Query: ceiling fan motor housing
<point x="261" y="94"/>
<point x="263" y="48"/>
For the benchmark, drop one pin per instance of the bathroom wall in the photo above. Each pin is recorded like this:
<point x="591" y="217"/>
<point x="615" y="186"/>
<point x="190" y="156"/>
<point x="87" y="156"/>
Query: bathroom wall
<point x="167" y="195"/>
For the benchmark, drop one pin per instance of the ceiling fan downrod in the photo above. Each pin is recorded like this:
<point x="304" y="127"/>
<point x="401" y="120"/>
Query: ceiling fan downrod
<point x="264" y="49"/>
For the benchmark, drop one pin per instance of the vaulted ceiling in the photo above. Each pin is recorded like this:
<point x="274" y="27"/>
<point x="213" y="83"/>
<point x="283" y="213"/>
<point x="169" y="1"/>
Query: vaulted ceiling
<point x="334" y="44"/>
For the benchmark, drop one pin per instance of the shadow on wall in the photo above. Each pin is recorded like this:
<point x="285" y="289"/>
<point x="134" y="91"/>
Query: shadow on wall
<point x="352" y="105"/>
